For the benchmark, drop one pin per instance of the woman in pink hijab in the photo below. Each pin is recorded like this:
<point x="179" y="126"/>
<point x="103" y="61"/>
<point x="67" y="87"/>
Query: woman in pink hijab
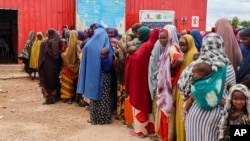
<point x="225" y="30"/>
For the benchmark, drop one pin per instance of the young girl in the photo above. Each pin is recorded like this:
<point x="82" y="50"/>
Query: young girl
<point x="236" y="110"/>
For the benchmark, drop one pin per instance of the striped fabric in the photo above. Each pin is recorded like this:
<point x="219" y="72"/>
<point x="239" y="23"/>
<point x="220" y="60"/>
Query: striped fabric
<point x="202" y="125"/>
<point x="67" y="87"/>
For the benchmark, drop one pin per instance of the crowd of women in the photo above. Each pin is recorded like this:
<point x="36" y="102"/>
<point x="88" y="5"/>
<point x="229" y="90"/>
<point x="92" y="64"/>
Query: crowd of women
<point x="148" y="78"/>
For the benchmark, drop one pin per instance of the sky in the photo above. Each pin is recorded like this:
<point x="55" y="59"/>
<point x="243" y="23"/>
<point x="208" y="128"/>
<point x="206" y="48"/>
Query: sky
<point x="227" y="9"/>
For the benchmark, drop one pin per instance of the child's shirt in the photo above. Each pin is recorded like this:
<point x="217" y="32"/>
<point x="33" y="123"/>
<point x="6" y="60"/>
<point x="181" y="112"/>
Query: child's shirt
<point x="241" y="119"/>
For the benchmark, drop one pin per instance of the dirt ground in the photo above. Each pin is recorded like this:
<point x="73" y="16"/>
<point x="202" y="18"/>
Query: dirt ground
<point x="24" y="118"/>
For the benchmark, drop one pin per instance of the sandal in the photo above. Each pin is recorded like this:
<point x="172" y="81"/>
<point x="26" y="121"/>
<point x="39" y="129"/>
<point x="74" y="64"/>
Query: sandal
<point x="130" y="126"/>
<point x="82" y="103"/>
<point x="155" y="138"/>
<point x="89" y="121"/>
<point x="133" y="133"/>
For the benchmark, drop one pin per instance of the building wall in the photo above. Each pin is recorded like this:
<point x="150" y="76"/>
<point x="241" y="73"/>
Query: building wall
<point x="40" y="15"/>
<point x="182" y="8"/>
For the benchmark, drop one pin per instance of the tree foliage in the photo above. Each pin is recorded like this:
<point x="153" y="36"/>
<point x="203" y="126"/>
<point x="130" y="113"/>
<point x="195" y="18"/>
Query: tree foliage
<point x="237" y="23"/>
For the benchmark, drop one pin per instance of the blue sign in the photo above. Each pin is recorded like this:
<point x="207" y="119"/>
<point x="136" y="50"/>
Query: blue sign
<point x="109" y="13"/>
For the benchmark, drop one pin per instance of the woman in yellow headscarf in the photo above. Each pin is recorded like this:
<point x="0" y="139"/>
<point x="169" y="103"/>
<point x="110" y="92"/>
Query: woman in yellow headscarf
<point x="70" y="69"/>
<point x="35" y="49"/>
<point x="188" y="49"/>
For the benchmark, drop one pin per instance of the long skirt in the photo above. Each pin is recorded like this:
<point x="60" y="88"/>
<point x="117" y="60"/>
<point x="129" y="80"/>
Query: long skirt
<point x="143" y="123"/>
<point x="50" y="97"/>
<point x="165" y="126"/>
<point x="68" y="86"/>
<point x="100" y="111"/>
<point x="180" y="128"/>
<point x="121" y="95"/>
<point x="128" y="114"/>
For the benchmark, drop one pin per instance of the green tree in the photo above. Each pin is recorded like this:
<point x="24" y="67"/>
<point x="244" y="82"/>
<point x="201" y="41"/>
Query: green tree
<point x="245" y="23"/>
<point x="235" y="22"/>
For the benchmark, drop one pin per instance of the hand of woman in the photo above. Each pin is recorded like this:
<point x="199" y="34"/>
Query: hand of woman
<point x="229" y="86"/>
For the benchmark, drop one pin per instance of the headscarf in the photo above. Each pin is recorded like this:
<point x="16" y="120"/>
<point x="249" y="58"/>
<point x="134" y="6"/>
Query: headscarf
<point x="116" y="34"/>
<point x="136" y="72"/>
<point x="35" y="50"/>
<point x="164" y="92"/>
<point x="144" y="33"/>
<point x="232" y="50"/>
<point x="212" y="52"/>
<point x="135" y="27"/>
<point x="155" y="55"/>
<point x="188" y="56"/>
<point x="244" y="70"/>
<point x="49" y="62"/>
<point x="197" y="38"/>
<point x="203" y="33"/>
<point x="81" y="35"/>
<point x="174" y="35"/>
<point x="229" y="107"/>
<point x="69" y="56"/>
<point x="27" y="48"/>
<point x="90" y="80"/>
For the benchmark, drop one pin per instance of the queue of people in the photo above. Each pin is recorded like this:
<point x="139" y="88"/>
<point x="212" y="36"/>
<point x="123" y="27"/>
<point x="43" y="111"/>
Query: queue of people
<point x="161" y="84"/>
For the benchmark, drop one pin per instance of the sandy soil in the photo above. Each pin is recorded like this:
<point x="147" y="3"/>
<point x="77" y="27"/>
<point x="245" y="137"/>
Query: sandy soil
<point x="24" y="118"/>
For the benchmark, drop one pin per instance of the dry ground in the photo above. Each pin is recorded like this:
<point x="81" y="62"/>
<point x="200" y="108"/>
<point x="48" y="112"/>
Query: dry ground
<point x="24" y="118"/>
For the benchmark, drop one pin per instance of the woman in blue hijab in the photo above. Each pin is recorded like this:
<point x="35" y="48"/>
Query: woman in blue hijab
<point x="94" y="79"/>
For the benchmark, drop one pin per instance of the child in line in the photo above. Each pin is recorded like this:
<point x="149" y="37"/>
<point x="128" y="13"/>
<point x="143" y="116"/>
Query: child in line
<point x="200" y="70"/>
<point x="236" y="110"/>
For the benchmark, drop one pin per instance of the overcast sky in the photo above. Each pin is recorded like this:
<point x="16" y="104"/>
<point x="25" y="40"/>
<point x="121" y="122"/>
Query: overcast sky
<point x="227" y="9"/>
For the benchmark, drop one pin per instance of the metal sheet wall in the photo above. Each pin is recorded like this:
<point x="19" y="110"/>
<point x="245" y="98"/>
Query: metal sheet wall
<point x="40" y="15"/>
<point x="182" y="8"/>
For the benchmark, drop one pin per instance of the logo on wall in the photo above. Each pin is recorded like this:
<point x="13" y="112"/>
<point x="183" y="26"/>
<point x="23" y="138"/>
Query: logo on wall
<point x="156" y="18"/>
<point x="195" y="21"/>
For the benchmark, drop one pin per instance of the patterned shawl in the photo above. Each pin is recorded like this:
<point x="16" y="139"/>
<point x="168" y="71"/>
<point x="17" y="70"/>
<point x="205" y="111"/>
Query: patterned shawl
<point x="27" y="48"/>
<point x="212" y="52"/>
<point x="229" y="107"/>
<point x="164" y="83"/>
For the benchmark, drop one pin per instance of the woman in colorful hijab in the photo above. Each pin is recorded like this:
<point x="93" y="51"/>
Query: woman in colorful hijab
<point x="136" y="84"/>
<point x="169" y="64"/>
<point x="212" y="52"/>
<point x="188" y="48"/>
<point x="49" y="66"/>
<point x="243" y="74"/>
<point x="172" y="39"/>
<point x="95" y="77"/>
<point x="70" y="68"/>
<point x="197" y="38"/>
<point x="35" y="50"/>
<point x="25" y="55"/>
<point x="225" y="30"/>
